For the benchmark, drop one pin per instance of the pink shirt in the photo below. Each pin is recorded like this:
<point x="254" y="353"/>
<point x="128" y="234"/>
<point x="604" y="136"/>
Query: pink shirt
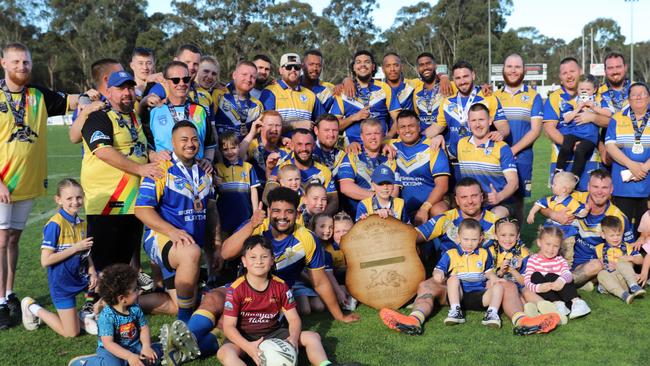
<point x="543" y="265"/>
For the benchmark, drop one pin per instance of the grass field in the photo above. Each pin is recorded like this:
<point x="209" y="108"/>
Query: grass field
<point x="613" y="334"/>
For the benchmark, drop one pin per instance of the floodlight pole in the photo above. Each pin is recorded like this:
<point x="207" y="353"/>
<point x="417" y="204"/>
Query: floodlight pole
<point x="489" y="42"/>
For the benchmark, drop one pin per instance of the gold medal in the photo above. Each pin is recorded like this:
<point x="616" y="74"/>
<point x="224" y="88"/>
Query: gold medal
<point x="198" y="205"/>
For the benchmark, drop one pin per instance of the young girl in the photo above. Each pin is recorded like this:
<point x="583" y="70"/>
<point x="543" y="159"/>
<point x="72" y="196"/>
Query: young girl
<point x="65" y="252"/>
<point x="509" y="253"/>
<point x="254" y="307"/>
<point x="236" y="183"/>
<point x="322" y="225"/>
<point x="586" y="134"/>
<point x="548" y="275"/>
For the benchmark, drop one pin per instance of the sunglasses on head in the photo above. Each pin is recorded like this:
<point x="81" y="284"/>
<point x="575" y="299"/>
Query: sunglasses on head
<point x="186" y="80"/>
<point x="292" y="67"/>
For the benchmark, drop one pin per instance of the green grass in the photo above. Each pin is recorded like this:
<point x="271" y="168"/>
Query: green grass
<point x="613" y="334"/>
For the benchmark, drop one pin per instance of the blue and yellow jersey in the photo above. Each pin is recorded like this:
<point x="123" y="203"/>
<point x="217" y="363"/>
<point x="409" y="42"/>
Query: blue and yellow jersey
<point x="234" y="191"/>
<point x="450" y="114"/>
<point x="370" y="205"/>
<point x="334" y="257"/>
<point x="589" y="231"/>
<point x="293" y="104"/>
<point x="316" y="172"/>
<point x="487" y="163"/>
<point x="559" y="103"/>
<point x="23" y="150"/>
<point x="614" y="100"/>
<point x="378" y="96"/>
<point x="325" y="93"/>
<point x="621" y="133"/>
<point x="418" y="165"/>
<point x="172" y="196"/>
<point x="231" y="113"/>
<point x="569" y="203"/>
<point x="299" y="250"/>
<point x="107" y="189"/>
<point x="470" y="267"/>
<point x="257" y="155"/>
<point x="404" y="92"/>
<point x="613" y="253"/>
<point x="359" y="168"/>
<point x="331" y="159"/>
<point x="445" y="227"/>
<point x="68" y="277"/>
<point x="425" y="103"/>
<point x="517" y="255"/>
<point x="520" y="108"/>
<point x="161" y="123"/>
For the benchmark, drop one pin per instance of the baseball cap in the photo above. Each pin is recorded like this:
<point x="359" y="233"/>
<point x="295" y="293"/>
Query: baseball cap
<point x="120" y="77"/>
<point x="289" y="59"/>
<point x="383" y="174"/>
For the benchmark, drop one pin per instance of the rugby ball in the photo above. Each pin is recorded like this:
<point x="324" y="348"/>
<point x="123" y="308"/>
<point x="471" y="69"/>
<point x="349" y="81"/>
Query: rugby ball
<point x="277" y="352"/>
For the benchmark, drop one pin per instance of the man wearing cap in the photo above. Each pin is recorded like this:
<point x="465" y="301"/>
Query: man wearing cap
<point x="115" y="157"/>
<point x="178" y="108"/>
<point x="298" y="106"/>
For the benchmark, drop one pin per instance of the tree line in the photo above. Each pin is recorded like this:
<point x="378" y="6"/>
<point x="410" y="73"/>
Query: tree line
<point x="66" y="37"/>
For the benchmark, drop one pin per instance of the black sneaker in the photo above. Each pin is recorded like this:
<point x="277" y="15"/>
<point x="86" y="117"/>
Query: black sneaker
<point x="5" y="319"/>
<point x="14" y="307"/>
<point x="455" y="316"/>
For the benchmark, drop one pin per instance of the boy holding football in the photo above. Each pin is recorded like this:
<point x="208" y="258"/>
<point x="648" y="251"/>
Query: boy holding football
<point x="253" y="308"/>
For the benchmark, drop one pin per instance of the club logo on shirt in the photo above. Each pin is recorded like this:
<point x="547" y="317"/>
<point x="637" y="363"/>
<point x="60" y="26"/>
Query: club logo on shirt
<point x="479" y="264"/>
<point x="162" y="120"/>
<point x="525" y="98"/>
<point x="303" y="98"/>
<point x="98" y="135"/>
<point x="228" y="305"/>
<point x="179" y="183"/>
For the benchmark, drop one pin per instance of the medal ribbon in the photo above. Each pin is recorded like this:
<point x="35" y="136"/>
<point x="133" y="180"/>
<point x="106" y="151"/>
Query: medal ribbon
<point x="175" y="116"/>
<point x="19" y="113"/>
<point x="639" y="128"/>
<point x="464" y="110"/>
<point x="193" y="178"/>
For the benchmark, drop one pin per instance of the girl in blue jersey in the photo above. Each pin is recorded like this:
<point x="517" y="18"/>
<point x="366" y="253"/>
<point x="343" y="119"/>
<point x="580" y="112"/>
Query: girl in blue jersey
<point x="65" y="252"/>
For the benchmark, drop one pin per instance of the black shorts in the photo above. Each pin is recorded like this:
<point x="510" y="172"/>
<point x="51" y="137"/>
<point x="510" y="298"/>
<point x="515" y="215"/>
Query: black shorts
<point x="282" y="333"/>
<point x="473" y="300"/>
<point x="115" y="238"/>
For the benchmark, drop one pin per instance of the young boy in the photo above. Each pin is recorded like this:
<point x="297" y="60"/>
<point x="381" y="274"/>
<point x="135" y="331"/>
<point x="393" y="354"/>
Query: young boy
<point x="288" y="176"/>
<point x="562" y="188"/>
<point x="236" y="183"/>
<point x="471" y="281"/>
<point x="619" y="259"/>
<point x="124" y="336"/>
<point x="253" y="309"/>
<point x="382" y="203"/>
<point x="313" y="202"/>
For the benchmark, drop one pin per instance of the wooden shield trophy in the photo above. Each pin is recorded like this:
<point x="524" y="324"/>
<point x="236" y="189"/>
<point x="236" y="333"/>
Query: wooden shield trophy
<point x="383" y="267"/>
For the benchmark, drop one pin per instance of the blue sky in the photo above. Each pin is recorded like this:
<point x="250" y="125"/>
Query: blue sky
<point x="553" y="18"/>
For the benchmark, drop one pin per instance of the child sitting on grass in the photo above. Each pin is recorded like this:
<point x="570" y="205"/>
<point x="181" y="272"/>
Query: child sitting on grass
<point x="618" y="278"/>
<point x="65" y="252"/>
<point x="254" y="306"/>
<point x="124" y="336"/>
<point x="548" y="275"/>
<point x="471" y="283"/>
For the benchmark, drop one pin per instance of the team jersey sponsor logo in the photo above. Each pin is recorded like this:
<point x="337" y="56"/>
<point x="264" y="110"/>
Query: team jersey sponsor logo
<point x="228" y="305"/>
<point x="98" y="135"/>
<point x="479" y="264"/>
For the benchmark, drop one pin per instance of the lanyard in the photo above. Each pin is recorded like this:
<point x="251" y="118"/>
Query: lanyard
<point x="193" y="179"/>
<point x="326" y="157"/>
<point x="464" y="110"/>
<point x="175" y="116"/>
<point x="618" y="102"/>
<point x="606" y="249"/>
<point x="371" y="163"/>
<point x="194" y="92"/>
<point x="17" y="108"/>
<point x="363" y="93"/>
<point x="241" y="107"/>
<point x="122" y="122"/>
<point x="639" y="127"/>
<point x="429" y="95"/>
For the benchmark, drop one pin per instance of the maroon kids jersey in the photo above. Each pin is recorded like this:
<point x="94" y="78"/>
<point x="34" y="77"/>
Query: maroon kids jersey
<point x="258" y="312"/>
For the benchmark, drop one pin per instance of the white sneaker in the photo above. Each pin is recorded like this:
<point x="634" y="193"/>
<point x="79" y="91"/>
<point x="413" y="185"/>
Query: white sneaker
<point x="561" y="307"/>
<point x="30" y="321"/>
<point x="90" y="324"/>
<point x="579" y="308"/>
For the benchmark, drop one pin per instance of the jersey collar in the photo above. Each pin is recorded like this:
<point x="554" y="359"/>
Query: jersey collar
<point x="72" y="219"/>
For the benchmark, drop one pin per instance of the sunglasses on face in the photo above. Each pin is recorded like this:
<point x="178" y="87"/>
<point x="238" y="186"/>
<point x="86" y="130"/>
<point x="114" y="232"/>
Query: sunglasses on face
<point x="292" y="67"/>
<point x="175" y="81"/>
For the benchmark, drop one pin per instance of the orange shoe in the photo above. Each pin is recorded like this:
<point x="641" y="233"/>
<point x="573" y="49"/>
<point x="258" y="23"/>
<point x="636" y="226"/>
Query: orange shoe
<point x="402" y="323"/>
<point x="540" y="324"/>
